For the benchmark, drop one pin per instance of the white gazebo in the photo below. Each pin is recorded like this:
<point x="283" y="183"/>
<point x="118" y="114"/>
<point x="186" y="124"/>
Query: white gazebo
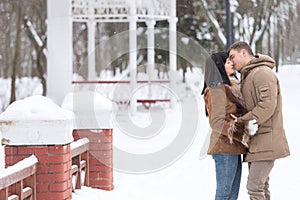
<point x="61" y="15"/>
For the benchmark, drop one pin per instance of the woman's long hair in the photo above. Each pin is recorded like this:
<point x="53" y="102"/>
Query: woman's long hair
<point x="215" y="73"/>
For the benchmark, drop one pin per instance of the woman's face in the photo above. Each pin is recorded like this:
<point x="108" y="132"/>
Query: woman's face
<point x="229" y="67"/>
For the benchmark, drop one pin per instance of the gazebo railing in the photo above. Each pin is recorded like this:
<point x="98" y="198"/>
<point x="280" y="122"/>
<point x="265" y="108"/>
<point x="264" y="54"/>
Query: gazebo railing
<point x="112" y="10"/>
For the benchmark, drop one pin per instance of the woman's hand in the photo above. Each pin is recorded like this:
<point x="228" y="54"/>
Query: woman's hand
<point x="253" y="126"/>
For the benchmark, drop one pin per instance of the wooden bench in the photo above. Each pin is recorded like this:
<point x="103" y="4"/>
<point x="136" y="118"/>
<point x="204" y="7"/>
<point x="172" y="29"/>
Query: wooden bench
<point x="148" y="102"/>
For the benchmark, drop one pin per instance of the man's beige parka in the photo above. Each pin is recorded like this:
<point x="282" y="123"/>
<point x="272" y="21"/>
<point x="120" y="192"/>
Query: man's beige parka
<point x="261" y="91"/>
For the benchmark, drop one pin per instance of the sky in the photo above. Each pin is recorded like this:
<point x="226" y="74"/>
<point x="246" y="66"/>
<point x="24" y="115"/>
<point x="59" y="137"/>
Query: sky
<point x="190" y="175"/>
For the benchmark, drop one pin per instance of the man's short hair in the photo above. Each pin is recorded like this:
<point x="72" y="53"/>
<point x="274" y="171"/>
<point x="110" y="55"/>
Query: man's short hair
<point x="238" y="46"/>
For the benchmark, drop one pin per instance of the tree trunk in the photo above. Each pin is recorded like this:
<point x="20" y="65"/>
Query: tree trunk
<point x="17" y="56"/>
<point x="40" y="69"/>
<point x="277" y="44"/>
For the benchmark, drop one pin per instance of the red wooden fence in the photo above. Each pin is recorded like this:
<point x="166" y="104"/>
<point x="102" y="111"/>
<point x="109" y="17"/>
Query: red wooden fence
<point x="18" y="182"/>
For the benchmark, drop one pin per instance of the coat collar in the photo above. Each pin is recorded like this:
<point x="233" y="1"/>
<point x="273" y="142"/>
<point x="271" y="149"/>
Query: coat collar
<point x="257" y="61"/>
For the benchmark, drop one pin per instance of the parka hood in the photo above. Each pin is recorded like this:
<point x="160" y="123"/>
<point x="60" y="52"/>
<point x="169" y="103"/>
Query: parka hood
<point x="257" y="61"/>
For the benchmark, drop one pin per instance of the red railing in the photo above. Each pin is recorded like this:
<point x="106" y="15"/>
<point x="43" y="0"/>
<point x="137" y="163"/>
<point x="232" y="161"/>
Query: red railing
<point x="18" y="182"/>
<point x="80" y="163"/>
<point x="118" y="82"/>
<point x="124" y="102"/>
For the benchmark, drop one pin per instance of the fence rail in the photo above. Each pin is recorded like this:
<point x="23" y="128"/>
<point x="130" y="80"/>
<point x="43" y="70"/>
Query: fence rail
<point x="119" y="82"/>
<point x="21" y="178"/>
<point x="80" y="163"/>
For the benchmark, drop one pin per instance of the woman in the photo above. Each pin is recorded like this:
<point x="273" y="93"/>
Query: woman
<point x="222" y="98"/>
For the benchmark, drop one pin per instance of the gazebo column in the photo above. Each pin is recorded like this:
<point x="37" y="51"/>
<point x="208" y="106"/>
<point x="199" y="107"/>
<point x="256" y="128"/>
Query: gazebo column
<point x="91" y="50"/>
<point x="150" y="52"/>
<point x="133" y="55"/>
<point x="59" y="44"/>
<point x="173" y="48"/>
<point x="91" y="43"/>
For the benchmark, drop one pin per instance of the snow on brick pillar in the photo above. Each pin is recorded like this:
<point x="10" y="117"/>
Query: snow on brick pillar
<point x="53" y="171"/>
<point x="93" y="120"/>
<point x="36" y="125"/>
<point x="101" y="165"/>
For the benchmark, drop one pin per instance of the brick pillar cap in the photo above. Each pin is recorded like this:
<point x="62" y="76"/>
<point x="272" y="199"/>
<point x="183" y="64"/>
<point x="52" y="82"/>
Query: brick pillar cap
<point x="91" y="109"/>
<point x="36" y="120"/>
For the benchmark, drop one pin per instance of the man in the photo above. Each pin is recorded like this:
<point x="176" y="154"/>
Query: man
<point x="262" y="95"/>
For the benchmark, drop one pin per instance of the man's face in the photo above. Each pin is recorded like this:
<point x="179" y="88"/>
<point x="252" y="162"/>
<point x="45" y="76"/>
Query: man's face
<point x="237" y="58"/>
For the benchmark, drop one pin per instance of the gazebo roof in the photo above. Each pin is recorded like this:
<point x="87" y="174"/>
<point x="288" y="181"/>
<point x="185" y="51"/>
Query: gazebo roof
<point x="120" y="10"/>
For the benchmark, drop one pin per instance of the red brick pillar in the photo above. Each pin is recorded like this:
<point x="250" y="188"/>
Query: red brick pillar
<point x="53" y="171"/>
<point x="45" y="130"/>
<point x="100" y="157"/>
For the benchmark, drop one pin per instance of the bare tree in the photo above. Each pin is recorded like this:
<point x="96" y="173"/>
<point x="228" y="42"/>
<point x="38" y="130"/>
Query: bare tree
<point x="40" y="49"/>
<point x="34" y="20"/>
<point x="258" y="22"/>
<point x="7" y="30"/>
<point x="17" y="54"/>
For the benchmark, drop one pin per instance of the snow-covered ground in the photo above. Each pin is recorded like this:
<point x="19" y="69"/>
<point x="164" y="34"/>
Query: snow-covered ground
<point x="193" y="178"/>
<point x="187" y="175"/>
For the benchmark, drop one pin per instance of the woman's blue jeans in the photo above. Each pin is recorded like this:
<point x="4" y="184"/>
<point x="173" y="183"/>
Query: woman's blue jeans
<point x="228" y="175"/>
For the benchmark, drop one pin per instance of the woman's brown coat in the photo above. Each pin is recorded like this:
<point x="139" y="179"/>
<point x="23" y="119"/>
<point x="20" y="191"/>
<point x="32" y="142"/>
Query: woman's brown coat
<point x="219" y="107"/>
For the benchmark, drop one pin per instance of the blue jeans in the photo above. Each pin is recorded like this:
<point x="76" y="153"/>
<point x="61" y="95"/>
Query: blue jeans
<point x="228" y="175"/>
